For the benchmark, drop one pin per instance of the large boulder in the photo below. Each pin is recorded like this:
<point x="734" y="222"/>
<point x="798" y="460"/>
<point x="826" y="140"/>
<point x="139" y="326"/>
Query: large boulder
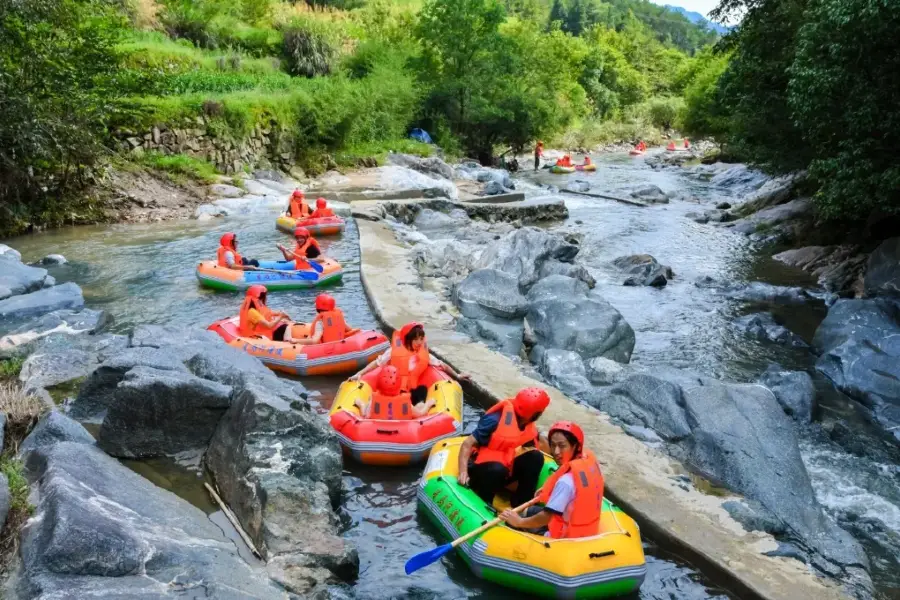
<point x="10" y="252"/>
<point x="43" y="370"/>
<point x="737" y="434"/>
<point x="561" y="368"/>
<point x="279" y="468"/>
<point x="102" y="530"/>
<point x="432" y="166"/>
<point x="883" y="271"/>
<point x="449" y="259"/>
<point x="575" y="271"/>
<point x="430" y="220"/>
<point x="757" y="292"/>
<point x="772" y="216"/>
<point x="19" y="278"/>
<point x="54" y="427"/>
<point x="764" y="327"/>
<point x="794" y="390"/>
<point x="66" y="321"/>
<point x="650" y="193"/>
<point x="739" y="178"/>
<point x="490" y="293"/>
<point x="13" y="310"/>
<point x="644" y="269"/>
<point x="504" y="336"/>
<point x="838" y="268"/>
<point x="523" y="252"/>
<point x="158" y="412"/>
<point x="859" y="346"/>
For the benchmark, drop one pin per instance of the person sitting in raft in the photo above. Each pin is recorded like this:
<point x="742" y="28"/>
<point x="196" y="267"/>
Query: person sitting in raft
<point x="487" y="458"/>
<point x="306" y="248"/>
<point x="409" y="355"/>
<point x="390" y="402"/>
<point x="564" y="161"/>
<point x="687" y="144"/>
<point x="227" y="255"/>
<point x="587" y="161"/>
<point x="572" y="496"/>
<point x="258" y="320"/>
<point x="329" y="325"/>
<point x="322" y="210"/>
<point x="298" y="208"/>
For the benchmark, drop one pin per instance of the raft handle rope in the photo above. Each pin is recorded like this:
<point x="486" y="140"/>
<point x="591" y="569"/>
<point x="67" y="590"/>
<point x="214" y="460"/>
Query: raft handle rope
<point x="602" y="554"/>
<point x="388" y="431"/>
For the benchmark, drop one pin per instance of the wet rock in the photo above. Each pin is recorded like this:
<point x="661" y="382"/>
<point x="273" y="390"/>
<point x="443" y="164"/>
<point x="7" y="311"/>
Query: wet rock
<point x="703" y="219"/>
<point x="503" y="336"/>
<point x="775" y="191"/>
<point x="561" y="368"/>
<point x="644" y="270"/>
<point x="770" y="217"/>
<point x="723" y="206"/>
<point x="54" y="259"/>
<point x="838" y="268"/>
<point x="444" y="258"/>
<point x="10" y="252"/>
<point x="158" y="413"/>
<point x="223" y="190"/>
<point x="429" y="220"/>
<point x="523" y="252"/>
<point x="4" y="500"/>
<point x="739" y="178"/>
<point x="19" y="278"/>
<point x="28" y="306"/>
<point x="859" y="343"/>
<point x="5" y="292"/>
<point x="54" y="427"/>
<point x="432" y="166"/>
<point x="557" y="286"/>
<point x="650" y="193"/>
<point x="205" y="212"/>
<point x="794" y="391"/>
<point x="764" y="327"/>
<point x="578" y="186"/>
<point x="43" y="370"/>
<point x="883" y="271"/>
<point x="278" y="187"/>
<point x="257" y="188"/>
<point x="279" y="468"/>
<point x="493" y="188"/>
<point x="102" y="530"/>
<point x="757" y="291"/>
<point x="754" y="516"/>
<point x="272" y="175"/>
<point x="602" y="371"/>
<point x="63" y="322"/>
<point x="574" y="271"/>
<point x="488" y="292"/>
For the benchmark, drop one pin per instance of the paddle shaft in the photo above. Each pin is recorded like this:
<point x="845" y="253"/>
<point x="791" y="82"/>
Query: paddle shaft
<point x="489" y="524"/>
<point x="294" y="254"/>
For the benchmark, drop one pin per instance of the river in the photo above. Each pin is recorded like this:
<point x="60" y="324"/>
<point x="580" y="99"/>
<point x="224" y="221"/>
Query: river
<point x="145" y="274"/>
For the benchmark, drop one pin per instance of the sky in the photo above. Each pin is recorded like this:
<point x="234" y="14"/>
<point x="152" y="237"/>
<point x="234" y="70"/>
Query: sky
<point x="701" y="6"/>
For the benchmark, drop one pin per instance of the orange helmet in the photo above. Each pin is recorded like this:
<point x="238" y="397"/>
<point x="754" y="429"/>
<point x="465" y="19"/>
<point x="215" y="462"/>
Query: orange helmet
<point x="570" y="427"/>
<point x="298" y="194"/>
<point x="257" y="292"/>
<point x="301" y="232"/>
<point x="320" y="203"/>
<point x="228" y="240"/>
<point x="389" y="381"/>
<point x="404" y="331"/>
<point x="325" y="302"/>
<point x="530" y="402"/>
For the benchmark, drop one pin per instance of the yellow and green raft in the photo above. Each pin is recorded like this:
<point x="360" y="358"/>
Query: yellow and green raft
<point x="606" y="565"/>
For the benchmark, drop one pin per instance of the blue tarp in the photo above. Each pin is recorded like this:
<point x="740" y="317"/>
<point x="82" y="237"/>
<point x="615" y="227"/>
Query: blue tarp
<point x="420" y="135"/>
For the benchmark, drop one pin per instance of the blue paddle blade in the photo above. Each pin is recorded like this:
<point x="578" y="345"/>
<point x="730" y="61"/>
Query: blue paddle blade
<point x="316" y="267"/>
<point x="423" y="559"/>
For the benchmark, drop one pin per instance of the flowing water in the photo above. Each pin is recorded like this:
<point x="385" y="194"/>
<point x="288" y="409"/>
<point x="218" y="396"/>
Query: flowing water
<point x="145" y="274"/>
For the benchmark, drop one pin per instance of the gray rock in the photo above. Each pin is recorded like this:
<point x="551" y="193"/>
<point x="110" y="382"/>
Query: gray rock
<point x="838" y="268"/>
<point x="49" y="281"/>
<point x="43" y="370"/>
<point x="602" y="371"/>
<point x="62" y="323"/>
<point x="223" y="190"/>
<point x="757" y="292"/>
<point x="650" y="193"/>
<point x="2" y="434"/>
<point x="575" y="271"/>
<point x="883" y="272"/>
<point x="754" y="516"/>
<point x="578" y="186"/>
<point x="774" y="191"/>
<point x="523" y="252"/>
<point x="434" y="167"/>
<point x="54" y="259"/>
<point x="4" y="500"/>
<point x="739" y="178"/>
<point x="10" y="252"/>
<point x="277" y="187"/>
<point x="775" y="215"/>
<point x="54" y="427"/>
<point x="503" y="336"/>
<point x="429" y="220"/>
<point x="561" y="368"/>
<point x="5" y="292"/>
<point x="488" y="292"/>
<point x="794" y="391"/>
<point x="697" y="217"/>
<point x="552" y="287"/>
<point x="764" y="327"/>
<point x="493" y="188"/>
<point x="158" y="413"/>
<point x="102" y="530"/>
<point x="644" y="270"/>
<point x="588" y="325"/>
<point x="14" y="310"/>
<point x="20" y="278"/>
<point x="279" y="468"/>
<point x="859" y="343"/>
<point x="271" y="174"/>
<point x="723" y="206"/>
<point x="257" y="188"/>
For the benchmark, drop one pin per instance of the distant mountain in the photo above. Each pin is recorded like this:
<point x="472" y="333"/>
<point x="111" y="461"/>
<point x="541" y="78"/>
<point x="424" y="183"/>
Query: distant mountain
<point x="696" y="17"/>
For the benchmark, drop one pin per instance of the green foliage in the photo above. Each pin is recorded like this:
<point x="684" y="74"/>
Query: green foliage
<point x="179" y="167"/>
<point x="11" y="367"/>
<point x="664" y="111"/>
<point x="351" y="155"/>
<point x="703" y="113"/>
<point x="307" y="52"/>
<point x="18" y="484"/>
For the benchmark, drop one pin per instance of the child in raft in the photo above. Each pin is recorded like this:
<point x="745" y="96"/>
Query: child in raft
<point x="298" y="208"/>
<point x="329" y="324"/>
<point x="258" y="320"/>
<point x="227" y="255"/>
<point x="409" y="355"/>
<point x="322" y="210"/>
<point x="389" y="401"/>
<point x="572" y="497"/>
<point x="306" y="248"/>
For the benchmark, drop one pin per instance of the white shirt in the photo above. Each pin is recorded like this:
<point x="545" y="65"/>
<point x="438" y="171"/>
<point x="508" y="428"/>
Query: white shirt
<point x="229" y="258"/>
<point x="562" y="496"/>
<point x="385" y="358"/>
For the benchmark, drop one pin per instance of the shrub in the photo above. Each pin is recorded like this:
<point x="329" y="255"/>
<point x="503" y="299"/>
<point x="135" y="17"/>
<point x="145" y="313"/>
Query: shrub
<point x="307" y="53"/>
<point x="663" y="112"/>
<point x="179" y="167"/>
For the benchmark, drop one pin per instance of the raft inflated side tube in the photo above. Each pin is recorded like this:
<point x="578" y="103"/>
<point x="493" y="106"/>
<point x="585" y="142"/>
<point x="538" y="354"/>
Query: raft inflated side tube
<point x="603" y="566"/>
<point x="317" y="227"/>
<point x="561" y="170"/>
<point x="277" y="276"/>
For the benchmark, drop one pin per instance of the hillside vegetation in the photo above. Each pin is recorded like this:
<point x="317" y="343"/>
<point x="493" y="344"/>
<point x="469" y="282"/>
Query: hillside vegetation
<point x="334" y="80"/>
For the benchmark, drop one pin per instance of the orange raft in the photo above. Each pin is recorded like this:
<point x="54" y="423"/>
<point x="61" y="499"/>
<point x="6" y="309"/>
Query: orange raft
<point x="333" y="358"/>
<point x="396" y="442"/>
<point x="320" y="226"/>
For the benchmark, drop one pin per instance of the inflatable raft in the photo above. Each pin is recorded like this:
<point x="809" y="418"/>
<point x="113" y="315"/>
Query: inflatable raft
<point x="606" y="565"/>
<point x="317" y="227"/>
<point x="561" y="170"/>
<point x="396" y="442"/>
<point x="585" y="167"/>
<point x="636" y="152"/>
<point x="335" y="358"/>
<point x="213" y="276"/>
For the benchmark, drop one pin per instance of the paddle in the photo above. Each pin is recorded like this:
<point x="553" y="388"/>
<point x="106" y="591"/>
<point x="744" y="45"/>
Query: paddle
<point x="296" y="274"/>
<point x="423" y="559"/>
<point x="315" y="266"/>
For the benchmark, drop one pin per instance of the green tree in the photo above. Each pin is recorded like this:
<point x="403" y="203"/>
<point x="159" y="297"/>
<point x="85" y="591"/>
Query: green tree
<point x="703" y="113"/>
<point x="557" y="13"/>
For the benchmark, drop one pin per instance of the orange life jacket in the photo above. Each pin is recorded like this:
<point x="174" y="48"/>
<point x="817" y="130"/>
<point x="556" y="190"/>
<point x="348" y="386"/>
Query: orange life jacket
<point x="220" y="256"/>
<point x="587" y="160"/>
<point x="321" y="213"/>
<point x="400" y="360"/>
<point x="583" y="517"/>
<point x="248" y="329"/>
<point x="334" y="328"/>
<point x="392" y="408"/>
<point x="300" y="261"/>
<point x="671" y="146"/>
<point x="299" y="209"/>
<point x="506" y="438"/>
<point x="687" y="144"/>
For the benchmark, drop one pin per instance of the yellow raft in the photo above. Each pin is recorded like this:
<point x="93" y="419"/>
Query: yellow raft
<point x="606" y="565"/>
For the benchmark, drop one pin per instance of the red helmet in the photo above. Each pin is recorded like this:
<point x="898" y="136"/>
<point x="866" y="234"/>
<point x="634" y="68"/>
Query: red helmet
<point x="228" y="240"/>
<point x="257" y="291"/>
<point x="325" y="302"/>
<point x="530" y="402"/>
<point x="320" y="203"/>
<point x="572" y="428"/>
<point x="404" y="331"/>
<point x="298" y="194"/>
<point x="389" y="381"/>
<point x="301" y="232"/>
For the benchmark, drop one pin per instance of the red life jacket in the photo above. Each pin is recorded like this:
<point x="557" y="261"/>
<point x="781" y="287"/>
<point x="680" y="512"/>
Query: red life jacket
<point x="220" y="257"/>
<point x="300" y="262"/>
<point x="248" y="329"/>
<point x="583" y="517"/>
<point x="400" y="360"/>
<point x="334" y="328"/>
<point x="299" y="209"/>
<point x="671" y="146"/>
<point x="321" y="213"/>
<point x="506" y="438"/>
<point x="392" y="408"/>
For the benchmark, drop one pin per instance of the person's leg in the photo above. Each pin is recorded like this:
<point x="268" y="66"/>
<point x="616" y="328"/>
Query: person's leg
<point x="537" y="163"/>
<point x="279" y="333"/>
<point x="249" y="262"/>
<point x="486" y="479"/>
<point x="526" y="470"/>
<point x="418" y="394"/>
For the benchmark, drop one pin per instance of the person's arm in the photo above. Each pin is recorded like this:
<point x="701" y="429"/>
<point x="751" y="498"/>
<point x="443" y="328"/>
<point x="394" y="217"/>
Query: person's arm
<point x="434" y="362"/>
<point x="542" y="519"/>
<point x="465" y="453"/>
<point x="378" y="362"/>
<point x="288" y="255"/>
